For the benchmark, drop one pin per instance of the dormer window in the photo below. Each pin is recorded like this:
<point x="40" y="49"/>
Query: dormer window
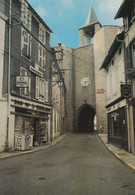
<point x="25" y="14"/>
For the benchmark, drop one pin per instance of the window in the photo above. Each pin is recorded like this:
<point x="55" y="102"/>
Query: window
<point x="133" y="14"/>
<point x="120" y="51"/>
<point x="109" y="86"/>
<point x="133" y="54"/>
<point x="42" y="36"/>
<point x="26" y="44"/>
<point x="25" y="14"/>
<point x="114" y="83"/>
<point x="42" y="56"/>
<point x="41" y="89"/>
<point x="25" y="90"/>
<point x="126" y="24"/>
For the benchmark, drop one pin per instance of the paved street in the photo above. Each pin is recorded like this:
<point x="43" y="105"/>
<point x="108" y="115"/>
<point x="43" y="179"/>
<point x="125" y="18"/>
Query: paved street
<point x="78" y="165"/>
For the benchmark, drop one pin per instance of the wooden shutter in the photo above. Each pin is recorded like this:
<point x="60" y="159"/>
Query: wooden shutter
<point x="46" y="91"/>
<point x="37" y="87"/>
<point x="127" y="54"/>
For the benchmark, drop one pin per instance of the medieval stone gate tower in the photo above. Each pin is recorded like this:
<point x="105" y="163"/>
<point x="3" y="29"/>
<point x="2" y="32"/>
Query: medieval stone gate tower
<point x="85" y="83"/>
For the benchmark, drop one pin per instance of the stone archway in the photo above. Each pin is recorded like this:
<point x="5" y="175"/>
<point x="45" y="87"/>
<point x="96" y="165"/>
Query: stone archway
<point x="86" y="119"/>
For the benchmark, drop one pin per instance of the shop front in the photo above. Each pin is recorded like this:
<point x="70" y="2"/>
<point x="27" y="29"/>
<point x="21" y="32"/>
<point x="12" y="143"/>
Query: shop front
<point x="117" y="125"/>
<point x="31" y="125"/>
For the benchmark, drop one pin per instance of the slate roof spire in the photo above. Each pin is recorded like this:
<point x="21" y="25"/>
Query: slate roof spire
<point x="92" y="18"/>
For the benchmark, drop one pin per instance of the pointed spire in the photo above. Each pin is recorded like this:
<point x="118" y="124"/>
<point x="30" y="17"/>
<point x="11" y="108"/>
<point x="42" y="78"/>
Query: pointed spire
<point x="92" y="18"/>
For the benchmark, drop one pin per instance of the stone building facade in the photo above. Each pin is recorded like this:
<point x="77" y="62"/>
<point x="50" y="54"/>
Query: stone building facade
<point x="85" y="82"/>
<point x="30" y="115"/>
<point x="127" y="12"/>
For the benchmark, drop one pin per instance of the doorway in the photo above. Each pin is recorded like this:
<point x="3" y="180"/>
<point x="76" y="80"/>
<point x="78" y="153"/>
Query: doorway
<point x="86" y="119"/>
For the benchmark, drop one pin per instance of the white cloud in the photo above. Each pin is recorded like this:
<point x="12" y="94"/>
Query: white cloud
<point x="41" y="11"/>
<point x="109" y="5"/>
<point x="68" y="3"/>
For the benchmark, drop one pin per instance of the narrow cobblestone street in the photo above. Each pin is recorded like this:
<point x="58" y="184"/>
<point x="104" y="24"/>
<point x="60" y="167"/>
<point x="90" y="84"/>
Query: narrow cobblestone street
<point x="78" y="165"/>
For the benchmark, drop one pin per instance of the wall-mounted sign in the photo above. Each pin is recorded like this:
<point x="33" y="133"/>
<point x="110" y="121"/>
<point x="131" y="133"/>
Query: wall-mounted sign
<point x="37" y="72"/>
<point x="126" y="90"/>
<point x="100" y="90"/>
<point x="22" y="81"/>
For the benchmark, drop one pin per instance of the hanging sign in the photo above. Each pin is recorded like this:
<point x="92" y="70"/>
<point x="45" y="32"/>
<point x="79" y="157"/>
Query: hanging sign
<point x="22" y="81"/>
<point x="126" y="90"/>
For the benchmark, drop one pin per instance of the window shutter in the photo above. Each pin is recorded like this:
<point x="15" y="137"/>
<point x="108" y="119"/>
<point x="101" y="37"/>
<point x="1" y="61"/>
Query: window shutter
<point x="127" y="53"/>
<point x="29" y="45"/>
<point x="133" y="54"/>
<point x="41" y="88"/>
<point x="37" y="87"/>
<point x="114" y="85"/>
<point x="46" y="91"/>
<point x="22" y="40"/>
<point x="125" y="21"/>
<point x="108" y="87"/>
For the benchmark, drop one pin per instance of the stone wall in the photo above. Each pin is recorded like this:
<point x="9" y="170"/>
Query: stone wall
<point x="84" y="68"/>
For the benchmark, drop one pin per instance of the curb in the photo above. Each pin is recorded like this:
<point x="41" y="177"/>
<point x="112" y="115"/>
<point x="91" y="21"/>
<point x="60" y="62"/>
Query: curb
<point x="60" y="138"/>
<point x="117" y="156"/>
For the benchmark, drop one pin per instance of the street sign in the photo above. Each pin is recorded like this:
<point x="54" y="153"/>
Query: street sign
<point x="126" y="90"/>
<point x="22" y="81"/>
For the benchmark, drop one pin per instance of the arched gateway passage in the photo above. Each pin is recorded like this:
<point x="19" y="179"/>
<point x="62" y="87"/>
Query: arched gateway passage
<point x="86" y="119"/>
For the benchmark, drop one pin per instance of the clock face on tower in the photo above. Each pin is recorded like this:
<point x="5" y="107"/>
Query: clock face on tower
<point x="85" y="82"/>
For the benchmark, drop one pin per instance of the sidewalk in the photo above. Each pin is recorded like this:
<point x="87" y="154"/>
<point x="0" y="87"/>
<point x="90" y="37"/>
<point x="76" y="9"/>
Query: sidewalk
<point x="4" y="155"/>
<point x="126" y="157"/>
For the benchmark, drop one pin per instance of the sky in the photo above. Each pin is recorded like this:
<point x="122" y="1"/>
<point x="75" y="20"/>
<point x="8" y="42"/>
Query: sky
<point x="64" y="17"/>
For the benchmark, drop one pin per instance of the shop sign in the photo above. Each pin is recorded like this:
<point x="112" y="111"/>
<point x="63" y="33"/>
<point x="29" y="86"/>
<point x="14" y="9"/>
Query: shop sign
<point x="22" y="81"/>
<point x="126" y="90"/>
<point x="37" y="72"/>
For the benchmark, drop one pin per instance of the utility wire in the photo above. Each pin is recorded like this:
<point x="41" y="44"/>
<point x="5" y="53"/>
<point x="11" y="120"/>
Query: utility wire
<point x="54" y="40"/>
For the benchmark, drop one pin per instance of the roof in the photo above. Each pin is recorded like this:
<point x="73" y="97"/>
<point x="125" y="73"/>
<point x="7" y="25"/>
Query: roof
<point x="112" y="50"/>
<point x="125" y="8"/>
<point x="39" y="18"/>
<point x="91" y="19"/>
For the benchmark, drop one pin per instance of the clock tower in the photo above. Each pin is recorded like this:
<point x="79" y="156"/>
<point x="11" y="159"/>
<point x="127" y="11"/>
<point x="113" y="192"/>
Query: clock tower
<point x="85" y="83"/>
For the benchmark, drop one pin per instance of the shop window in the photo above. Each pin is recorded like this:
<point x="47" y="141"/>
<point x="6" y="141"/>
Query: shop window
<point x="42" y="35"/>
<point x="25" y="14"/>
<point x="41" y="89"/>
<point x="25" y="90"/>
<point x="26" y="44"/>
<point x="42" y="57"/>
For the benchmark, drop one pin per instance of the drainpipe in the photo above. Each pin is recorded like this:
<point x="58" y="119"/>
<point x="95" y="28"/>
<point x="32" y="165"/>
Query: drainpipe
<point x="8" y="87"/>
<point x="127" y="103"/>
